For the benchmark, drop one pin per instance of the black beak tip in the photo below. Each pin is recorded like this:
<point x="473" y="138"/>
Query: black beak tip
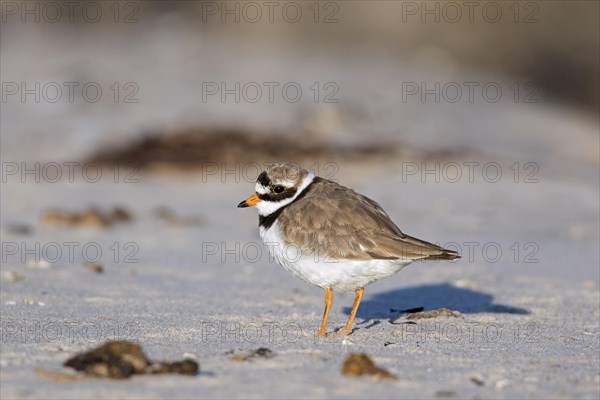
<point x="242" y="204"/>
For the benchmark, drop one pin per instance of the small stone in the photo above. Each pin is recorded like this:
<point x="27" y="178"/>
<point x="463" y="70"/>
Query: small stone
<point x="41" y="264"/>
<point x="120" y="214"/>
<point x="19" y="229"/>
<point x="11" y="276"/>
<point x="261" y="352"/>
<point x="477" y="379"/>
<point x="359" y="364"/>
<point x="502" y="383"/>
<point x="173" y="219"/>
<point x="94" y="267"/>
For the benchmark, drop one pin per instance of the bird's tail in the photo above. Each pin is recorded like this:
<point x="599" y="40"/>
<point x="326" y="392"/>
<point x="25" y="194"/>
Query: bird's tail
<point x="445" y="255"/>
<point x="431" y="251"/>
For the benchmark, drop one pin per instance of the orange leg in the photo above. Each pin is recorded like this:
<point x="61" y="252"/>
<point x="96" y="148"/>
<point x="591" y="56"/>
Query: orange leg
<point x="358" y="297"/>
<point x="328" y="301"/>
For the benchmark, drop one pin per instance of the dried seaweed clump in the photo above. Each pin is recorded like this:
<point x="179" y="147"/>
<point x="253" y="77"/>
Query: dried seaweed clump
<point x="90" y="218"/>
<point x="195" y="149"/>
<point x="440" y="312"/>
<point x="122" y="359"/>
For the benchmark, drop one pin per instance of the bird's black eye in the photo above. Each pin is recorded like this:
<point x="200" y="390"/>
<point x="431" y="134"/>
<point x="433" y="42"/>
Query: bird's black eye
<point x="278" y="189"/>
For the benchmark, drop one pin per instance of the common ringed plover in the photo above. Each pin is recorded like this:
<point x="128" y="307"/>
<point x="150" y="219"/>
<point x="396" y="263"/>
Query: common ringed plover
<point x="331" y="236"/>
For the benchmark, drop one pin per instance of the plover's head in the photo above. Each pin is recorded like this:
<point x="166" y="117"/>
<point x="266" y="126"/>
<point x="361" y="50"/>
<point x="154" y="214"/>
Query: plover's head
<point x="278" y="186"/>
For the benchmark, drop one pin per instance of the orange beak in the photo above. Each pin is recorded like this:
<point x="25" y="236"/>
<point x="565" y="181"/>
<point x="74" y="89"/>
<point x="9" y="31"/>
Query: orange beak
<point x="250" y="201"/>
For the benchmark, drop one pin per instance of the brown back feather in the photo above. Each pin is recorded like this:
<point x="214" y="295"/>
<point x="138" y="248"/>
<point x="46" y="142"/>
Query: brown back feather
<point x="334" y="221"/>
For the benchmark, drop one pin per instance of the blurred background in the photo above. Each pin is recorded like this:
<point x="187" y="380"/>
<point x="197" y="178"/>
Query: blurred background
<point x="142" y="124"/>
<point x="359" y="65"/>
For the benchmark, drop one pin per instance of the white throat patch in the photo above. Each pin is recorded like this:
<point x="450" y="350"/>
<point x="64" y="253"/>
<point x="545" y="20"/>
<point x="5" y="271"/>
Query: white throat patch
<point x="269" y="207"/>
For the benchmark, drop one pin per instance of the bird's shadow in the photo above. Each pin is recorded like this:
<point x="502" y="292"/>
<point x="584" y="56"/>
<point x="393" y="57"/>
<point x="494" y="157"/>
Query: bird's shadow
<point x="389" y="304"/>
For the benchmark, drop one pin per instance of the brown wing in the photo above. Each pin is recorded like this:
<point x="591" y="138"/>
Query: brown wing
<point x="337" y="222"/>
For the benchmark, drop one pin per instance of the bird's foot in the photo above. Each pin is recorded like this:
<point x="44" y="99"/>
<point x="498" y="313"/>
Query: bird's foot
<point x="343" y="332"/>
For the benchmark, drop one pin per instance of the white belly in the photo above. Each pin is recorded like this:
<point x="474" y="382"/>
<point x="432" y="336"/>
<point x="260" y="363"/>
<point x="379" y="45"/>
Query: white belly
<point x="339" y="275"/>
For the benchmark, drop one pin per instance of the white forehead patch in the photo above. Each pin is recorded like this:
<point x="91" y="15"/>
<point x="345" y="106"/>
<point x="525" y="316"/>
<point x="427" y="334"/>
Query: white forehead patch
<point x="260" y="189"/>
